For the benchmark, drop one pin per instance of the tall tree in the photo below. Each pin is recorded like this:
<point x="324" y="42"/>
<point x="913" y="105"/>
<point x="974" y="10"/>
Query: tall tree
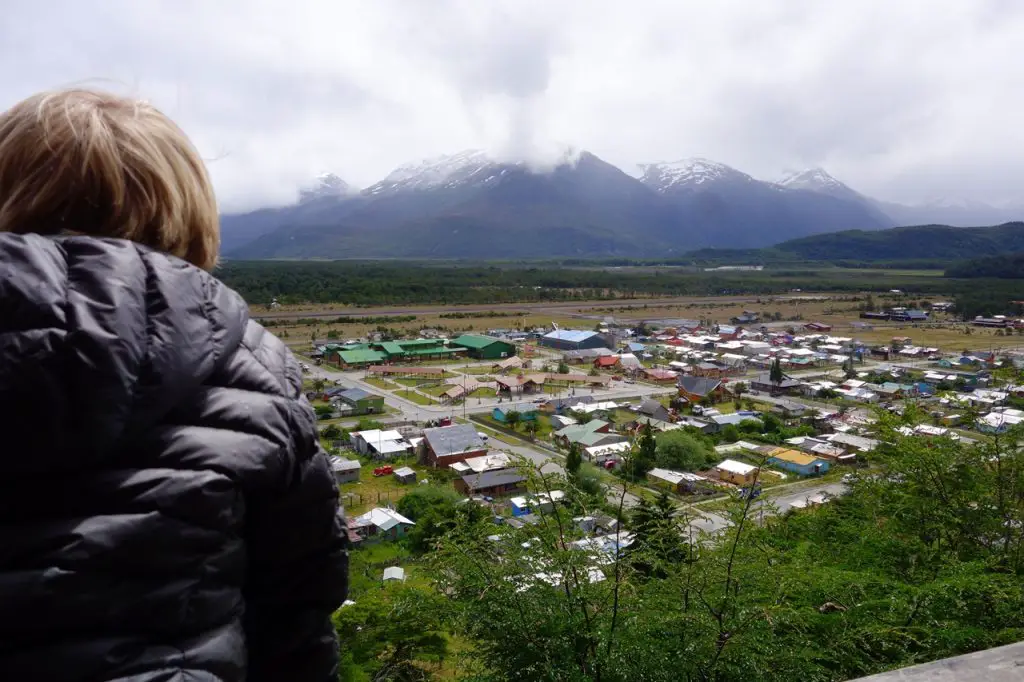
<point x="645" y="455"/>
<point x="512" y="418"/>
<point x="574" y="460"/>
<point x="775" y="375"/>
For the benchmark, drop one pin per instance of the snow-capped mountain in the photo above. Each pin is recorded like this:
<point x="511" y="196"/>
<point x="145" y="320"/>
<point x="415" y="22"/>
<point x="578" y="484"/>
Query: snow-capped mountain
<point x="327" y="185"/>
<point x="672" y="176"/>
<point x="472" y="166"/>
<point x="474" y="205"/>
<point x="812" y="179"/>
<point x="820" y="181"/>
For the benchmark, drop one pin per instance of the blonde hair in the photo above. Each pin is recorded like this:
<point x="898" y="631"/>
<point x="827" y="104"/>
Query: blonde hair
<point x="107" y="166"/>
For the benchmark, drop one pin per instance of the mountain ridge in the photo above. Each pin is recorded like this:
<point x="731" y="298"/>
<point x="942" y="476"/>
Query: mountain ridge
<point x="470" y="204"/>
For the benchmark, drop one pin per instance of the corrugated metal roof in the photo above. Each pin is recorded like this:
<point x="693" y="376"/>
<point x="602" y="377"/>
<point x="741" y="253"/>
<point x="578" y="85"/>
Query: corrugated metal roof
<point x="794" y="457"/>
<point x="698" y="385"/>
<point x="392" y="348"/>
<point x="477" y="341"/>
<point x="351" y="357"/>
<point x="419" y="342"/>
<point x="355" y="394"/>
<point x="453" y="440"/>
<point x="732" y="466"/>
<point x="340" y="464"/>
<point x="570" y="335"/>
<point x="439" y="350"/>
<point x="491" y="479"/>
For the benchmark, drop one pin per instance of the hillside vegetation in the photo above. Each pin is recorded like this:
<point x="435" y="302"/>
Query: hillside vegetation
<point x="919" y="242"/>
<point x="1009" y="266"/>
<point x="924" y="563"/>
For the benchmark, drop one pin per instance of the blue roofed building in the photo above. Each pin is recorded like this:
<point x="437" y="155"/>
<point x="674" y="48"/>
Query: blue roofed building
<point x="908" y="315"/>
<point x="573" y="339"/>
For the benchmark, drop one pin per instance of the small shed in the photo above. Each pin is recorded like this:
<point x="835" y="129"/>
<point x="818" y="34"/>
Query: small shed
<point x="738" y="473"/>
<point x="405" y="475"/>
<point x="394" y="573"/>
<point x="345" y="470"/>
<point x="520" y="506"/>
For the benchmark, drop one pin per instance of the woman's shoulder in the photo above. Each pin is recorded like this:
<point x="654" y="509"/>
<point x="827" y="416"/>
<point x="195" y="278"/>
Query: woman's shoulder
<point x="272" y="359"/>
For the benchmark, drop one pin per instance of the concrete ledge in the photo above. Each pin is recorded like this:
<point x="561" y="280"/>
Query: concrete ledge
<point x="1002" y="664"/>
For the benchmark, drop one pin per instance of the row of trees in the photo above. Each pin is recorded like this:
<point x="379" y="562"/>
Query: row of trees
<point x="382" y="283"/>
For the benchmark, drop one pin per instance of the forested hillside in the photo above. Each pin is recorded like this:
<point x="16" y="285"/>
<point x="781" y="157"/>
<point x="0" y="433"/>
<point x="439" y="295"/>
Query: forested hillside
<point x="1009" y="266"/>
<point x="924" y="241"/>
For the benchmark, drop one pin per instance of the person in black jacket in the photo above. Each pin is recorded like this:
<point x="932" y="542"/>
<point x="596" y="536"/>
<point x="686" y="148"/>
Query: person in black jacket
<point x="166" y="511"/>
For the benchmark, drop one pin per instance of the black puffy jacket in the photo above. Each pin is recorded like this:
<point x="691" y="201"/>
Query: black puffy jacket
<point x="166" y="512"/>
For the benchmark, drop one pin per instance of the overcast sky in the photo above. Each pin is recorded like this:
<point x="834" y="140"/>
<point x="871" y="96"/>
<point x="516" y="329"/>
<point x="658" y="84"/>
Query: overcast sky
<point x="905" y="100"/>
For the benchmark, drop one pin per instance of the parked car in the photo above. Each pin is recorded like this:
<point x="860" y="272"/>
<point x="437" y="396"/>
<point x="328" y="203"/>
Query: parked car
<point x="383" y="471"/>
<point x="751" y="493"/>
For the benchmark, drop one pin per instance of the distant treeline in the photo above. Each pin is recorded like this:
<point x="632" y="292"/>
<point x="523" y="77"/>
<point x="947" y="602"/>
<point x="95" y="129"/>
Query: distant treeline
<point x="401" y="283"/>
<point x="1009" y="266"/>
<point x="344" y="319"/>
<point x="486" y="313"/>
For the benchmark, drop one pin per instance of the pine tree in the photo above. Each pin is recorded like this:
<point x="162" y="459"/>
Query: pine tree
<point x="775" y="374"/>
<point x="574" y="460"/>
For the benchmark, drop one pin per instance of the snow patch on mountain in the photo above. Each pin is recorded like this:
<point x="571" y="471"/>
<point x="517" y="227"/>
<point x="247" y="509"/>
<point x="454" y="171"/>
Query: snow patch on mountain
<point x="472" y="167"/>
<point x="813" y="179"/>
<point x="688" y="173"/>
<point x="820" y="181"/>
<point x="326" y="185"/>
<point x="451" y="170"/>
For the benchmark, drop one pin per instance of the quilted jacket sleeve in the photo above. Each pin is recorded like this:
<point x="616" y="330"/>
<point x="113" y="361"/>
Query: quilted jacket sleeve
<point x="297" y="552"/>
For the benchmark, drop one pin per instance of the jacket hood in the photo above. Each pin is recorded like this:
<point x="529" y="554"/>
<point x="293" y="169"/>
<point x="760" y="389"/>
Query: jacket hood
<point x="100" y="339"/>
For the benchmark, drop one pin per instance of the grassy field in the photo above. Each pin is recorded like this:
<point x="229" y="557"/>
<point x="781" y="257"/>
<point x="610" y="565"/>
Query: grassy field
<point x="481" y="393"/>
<point x="841" y="310"/>
<point x="379" y="383"/>
<point x="435" y="390"/>
<point x="622" y="416"/>
<point x="475" y="371"/>
<point x="414" y="397"/>
<point x="375" y="491"/>
<point x="411" y="382"/>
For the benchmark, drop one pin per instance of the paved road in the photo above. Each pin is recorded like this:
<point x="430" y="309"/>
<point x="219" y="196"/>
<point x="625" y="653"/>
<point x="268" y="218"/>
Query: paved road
<point x="781" y="499"/>
<point x="416" y="412"/>
<point x="546" y="462"/>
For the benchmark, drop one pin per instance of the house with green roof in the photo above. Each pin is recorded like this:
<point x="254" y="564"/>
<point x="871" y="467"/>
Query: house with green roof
<point x="484" y="347"/>
<point x="594" y="432"/>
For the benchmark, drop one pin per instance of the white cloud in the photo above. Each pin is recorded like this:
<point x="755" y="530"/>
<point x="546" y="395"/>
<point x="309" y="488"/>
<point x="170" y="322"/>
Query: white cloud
<point x="904" y="101"/>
